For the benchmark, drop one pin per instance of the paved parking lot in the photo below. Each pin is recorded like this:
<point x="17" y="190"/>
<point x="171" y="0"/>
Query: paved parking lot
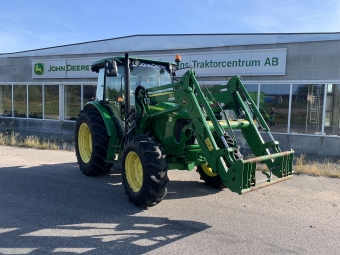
<point x="48" y="207"/>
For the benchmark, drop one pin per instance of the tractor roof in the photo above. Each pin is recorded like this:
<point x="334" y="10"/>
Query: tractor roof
<point x="121" y="61"/>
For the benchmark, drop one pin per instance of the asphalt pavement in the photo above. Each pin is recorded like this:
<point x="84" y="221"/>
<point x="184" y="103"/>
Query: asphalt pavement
<point x="47" y="206"/>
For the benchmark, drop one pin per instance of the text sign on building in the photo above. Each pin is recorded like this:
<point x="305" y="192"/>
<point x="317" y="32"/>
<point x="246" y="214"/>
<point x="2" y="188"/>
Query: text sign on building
<point x="42" y="69"/>
<point x="224" y="63"/>
<point x="229" y="63"/>
<point x="65" y="68"/>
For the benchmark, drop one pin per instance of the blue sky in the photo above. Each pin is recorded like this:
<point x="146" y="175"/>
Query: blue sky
<point x="32" y="24"/>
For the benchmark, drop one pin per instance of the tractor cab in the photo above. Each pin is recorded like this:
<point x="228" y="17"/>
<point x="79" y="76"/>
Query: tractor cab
<point x="119" y="77"/>
<point x="112" y="77"/>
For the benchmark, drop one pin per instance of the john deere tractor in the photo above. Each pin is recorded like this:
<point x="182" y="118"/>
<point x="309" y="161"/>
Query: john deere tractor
<point x="149" y="122"/>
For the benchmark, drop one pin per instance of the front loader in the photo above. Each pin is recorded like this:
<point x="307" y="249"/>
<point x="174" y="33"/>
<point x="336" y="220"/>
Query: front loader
<point x="145" y="119"/>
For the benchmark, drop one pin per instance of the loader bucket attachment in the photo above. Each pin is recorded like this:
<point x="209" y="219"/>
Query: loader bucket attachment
<point x="241" y="176"/>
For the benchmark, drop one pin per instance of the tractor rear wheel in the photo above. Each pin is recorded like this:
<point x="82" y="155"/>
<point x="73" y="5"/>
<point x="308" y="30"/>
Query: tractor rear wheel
<point x="91" y="143"/>
<point x="208" y="176"/>
<point x="144" y="171"/>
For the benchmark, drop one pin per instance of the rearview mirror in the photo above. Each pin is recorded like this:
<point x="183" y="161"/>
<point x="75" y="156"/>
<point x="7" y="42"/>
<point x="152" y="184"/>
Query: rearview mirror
<point x="111" y="69"/>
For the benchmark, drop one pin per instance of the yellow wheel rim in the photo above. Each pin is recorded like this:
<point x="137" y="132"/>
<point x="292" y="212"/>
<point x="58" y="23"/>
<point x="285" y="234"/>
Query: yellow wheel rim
<point x="134" y="171"/>
<point x="85" y="142"/>
<point x="208" y="171"/>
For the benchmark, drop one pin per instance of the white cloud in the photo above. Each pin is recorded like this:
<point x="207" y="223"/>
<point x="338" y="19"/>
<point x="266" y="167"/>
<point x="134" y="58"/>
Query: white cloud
<point x="269" y="16"/>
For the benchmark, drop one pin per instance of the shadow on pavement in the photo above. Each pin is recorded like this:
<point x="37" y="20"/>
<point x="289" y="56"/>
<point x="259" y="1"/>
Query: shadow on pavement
<point x="50" y="209"/>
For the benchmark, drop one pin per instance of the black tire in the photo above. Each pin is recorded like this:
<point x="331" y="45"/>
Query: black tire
<point x="206" y="174"/>
<point x="210" y="179"/>
<point x="144" y="171"/>
<point x="91" y="143"/>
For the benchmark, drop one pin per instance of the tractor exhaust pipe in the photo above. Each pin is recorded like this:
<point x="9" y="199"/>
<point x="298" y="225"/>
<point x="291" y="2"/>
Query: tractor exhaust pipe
<point x="127" y="90"/>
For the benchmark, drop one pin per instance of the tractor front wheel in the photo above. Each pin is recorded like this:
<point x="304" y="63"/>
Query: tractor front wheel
<point x="144" y="171"/>
<point x="91" y="143"/>
<point x="209" y="177"/>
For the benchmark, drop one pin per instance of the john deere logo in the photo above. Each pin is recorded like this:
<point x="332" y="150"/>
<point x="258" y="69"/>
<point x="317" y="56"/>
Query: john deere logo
<point x="39" y="68"/>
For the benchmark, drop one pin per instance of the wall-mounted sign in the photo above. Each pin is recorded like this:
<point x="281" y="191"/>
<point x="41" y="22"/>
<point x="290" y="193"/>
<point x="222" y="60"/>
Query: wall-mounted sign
<point x="64" y="68"/>
<point x="224" y="63"/>
<point x="229" y="63"/>
<point x="50" y="69"/>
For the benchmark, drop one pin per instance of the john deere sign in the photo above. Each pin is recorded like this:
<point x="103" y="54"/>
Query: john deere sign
<point x="224" y="63"/>
<point x="69" y="68"/>
<point x="39" y="68"/>
<point x="64" y="68"/>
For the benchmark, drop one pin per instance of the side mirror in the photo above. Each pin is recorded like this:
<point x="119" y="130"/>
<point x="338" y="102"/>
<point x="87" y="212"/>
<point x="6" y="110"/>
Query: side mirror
<point x="111" y="69"/>
<point x="161" y="72"/>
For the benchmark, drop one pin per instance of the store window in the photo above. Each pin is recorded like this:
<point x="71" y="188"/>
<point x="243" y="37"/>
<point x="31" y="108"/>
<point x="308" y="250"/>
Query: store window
<point x="51" y="104"/>
<point x="72" y="101"/>
<point x="20" y="101"/>
<point x="252" y="90"/>
<point x="5" y="100"/>
<point x="332" y="112"/>
<point x="35" y="101"/>
<point x="89" y="93"/>
<point x="307" y="109"/>
<point x="274" y="105"/>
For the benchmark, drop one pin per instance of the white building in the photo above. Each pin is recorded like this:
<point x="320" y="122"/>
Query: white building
<point x="297" y="74"/>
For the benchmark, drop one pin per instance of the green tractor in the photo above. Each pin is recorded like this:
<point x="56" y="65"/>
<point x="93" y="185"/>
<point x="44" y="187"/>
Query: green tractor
<point x="147" y="122"/>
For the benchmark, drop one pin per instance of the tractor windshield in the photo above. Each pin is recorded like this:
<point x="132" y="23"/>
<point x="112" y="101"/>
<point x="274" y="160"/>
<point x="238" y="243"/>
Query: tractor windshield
<point x="146" y="75"/>
<point x="149" y="76"/>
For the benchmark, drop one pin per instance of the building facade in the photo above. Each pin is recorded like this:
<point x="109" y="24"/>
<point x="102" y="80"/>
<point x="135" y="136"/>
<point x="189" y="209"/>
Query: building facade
<point x="296" y="75"/>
